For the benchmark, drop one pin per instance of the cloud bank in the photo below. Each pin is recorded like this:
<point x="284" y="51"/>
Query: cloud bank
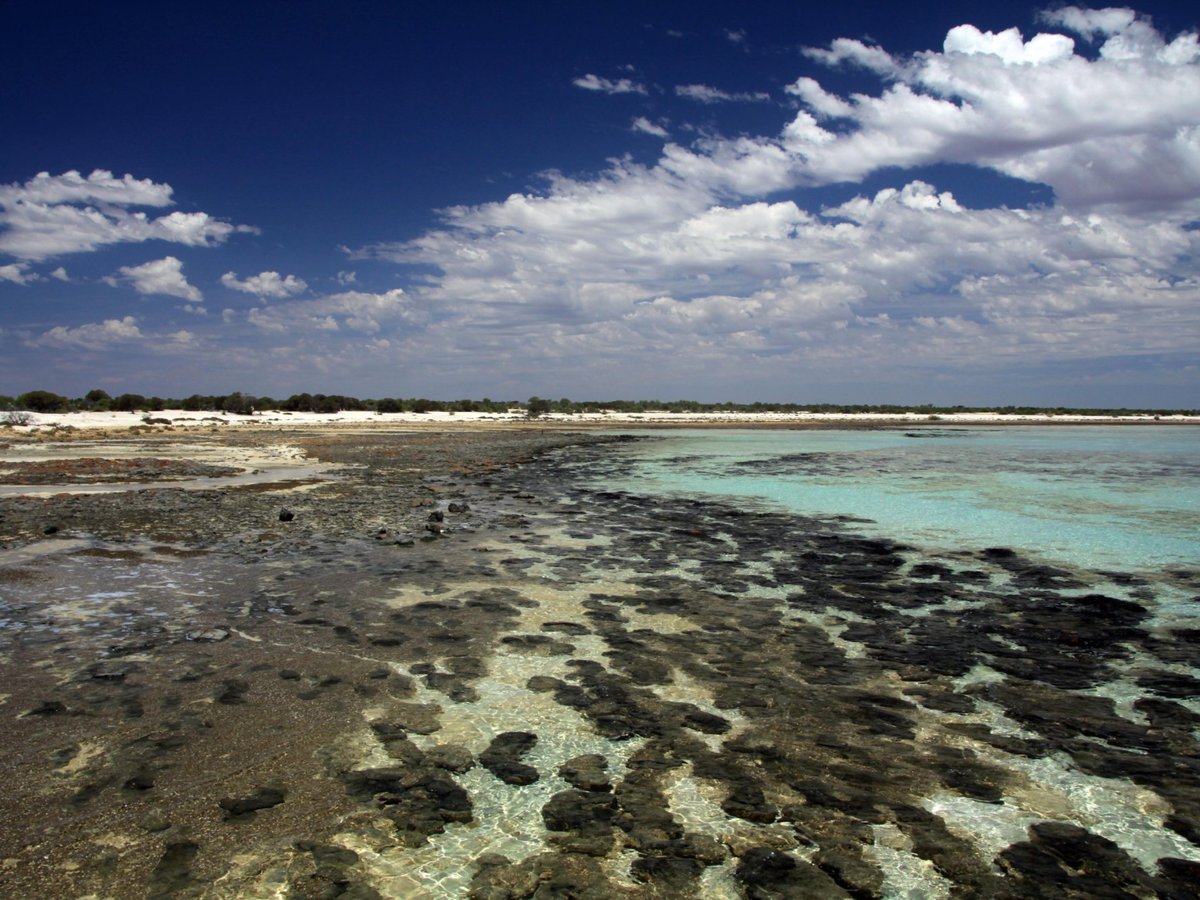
<point x="700" y="259"/>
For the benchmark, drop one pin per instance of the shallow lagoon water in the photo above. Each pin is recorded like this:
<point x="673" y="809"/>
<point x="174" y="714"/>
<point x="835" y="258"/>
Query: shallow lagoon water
<point x="1126" y="497"/>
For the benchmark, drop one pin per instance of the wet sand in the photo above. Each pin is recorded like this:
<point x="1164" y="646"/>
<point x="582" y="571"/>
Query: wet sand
<point x="449" y="666"/>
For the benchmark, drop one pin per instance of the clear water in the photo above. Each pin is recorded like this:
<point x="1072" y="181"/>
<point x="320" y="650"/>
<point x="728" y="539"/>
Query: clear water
<point x="1097" y="497"/>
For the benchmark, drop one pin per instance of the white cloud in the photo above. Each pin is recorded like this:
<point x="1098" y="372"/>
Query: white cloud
<point x="590" y="82"/>
<point x="643" y="262"/>
<point x="744" y="166"/>
<point x="1091" y="22"/>
<point x="1009" y="45"/>
<point x="842" y="50"/>
<point x="161" y="276"/>
<point x="100" y="187"/>
<point x="644" y="126"/>
<point x="1127" y="35"/>
<point x="703" y="93"/>
<point x="18" y="273"/>
<point x="356" y="311"/>
<point x="819" y="100"/>
<point x="265" y="284"/>
<point x="93" y="336"/>
<point x="700" y="269"/>
<point x="347" y="278"/>
<point x="51" y="215"/>
<point x="1119" y="130"/>
<point x="60" y="274"/>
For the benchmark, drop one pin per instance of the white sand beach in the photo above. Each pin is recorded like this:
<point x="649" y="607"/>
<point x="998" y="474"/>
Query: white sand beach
<point x="276" y="419"/>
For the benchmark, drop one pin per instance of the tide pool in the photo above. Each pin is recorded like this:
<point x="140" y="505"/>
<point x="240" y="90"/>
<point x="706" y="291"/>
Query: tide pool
<point x="1123" y="497"/>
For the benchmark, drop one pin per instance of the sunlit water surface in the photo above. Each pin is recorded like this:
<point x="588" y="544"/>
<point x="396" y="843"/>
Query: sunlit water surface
<point x="1123" y="497"/>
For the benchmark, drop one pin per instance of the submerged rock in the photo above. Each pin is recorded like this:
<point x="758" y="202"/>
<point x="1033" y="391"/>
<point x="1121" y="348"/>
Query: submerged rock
<point x="263" y="798"/>
<point x="769" y="873"/>
<point x="208" y="636"/>
<point x="1064" y="860"/>
<point x="450" y="757"/>
<point x="172" y="876"/>
<point x="405" y="718"/>
<point x="502" y="757"/>
<point x="586" y="772"/>
<point x="548" y="875"/>
<point x="47" y="708"/>
<point x="419" y="802"/>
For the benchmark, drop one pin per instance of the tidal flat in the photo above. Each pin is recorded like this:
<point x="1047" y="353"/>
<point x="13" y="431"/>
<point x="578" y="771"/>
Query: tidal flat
<point x="456" y="665"/>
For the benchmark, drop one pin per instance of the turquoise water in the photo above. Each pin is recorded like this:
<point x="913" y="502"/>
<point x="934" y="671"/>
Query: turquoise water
<point x="1123" y="497"/>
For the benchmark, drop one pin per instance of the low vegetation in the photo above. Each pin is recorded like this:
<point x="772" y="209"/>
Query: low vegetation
<point x="238" y="403"/>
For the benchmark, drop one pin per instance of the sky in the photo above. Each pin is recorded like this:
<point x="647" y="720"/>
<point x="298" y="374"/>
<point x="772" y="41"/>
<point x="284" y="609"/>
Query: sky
<point x="970" y="203"/>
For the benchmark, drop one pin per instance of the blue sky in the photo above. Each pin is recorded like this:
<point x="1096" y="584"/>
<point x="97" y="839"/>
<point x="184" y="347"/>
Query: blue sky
<point x="949" y="203"/>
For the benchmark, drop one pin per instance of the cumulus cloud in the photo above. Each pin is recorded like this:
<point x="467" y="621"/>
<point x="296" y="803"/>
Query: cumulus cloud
<point x="693" y="259"/>
<point x="182" y="338"/>
<point x="92" y="336"/>
<point x="704" y="93"/>
<point x="1009" y="45"/>
<point x="17" y="273"/>
<point x="265" y="284"/>
<point x="590" y="82"/>
<point x="701" y="267"/>
<point x="642" y="248"/>
<point x="100" y="187"/>
<point x="52" y="215"/>
<point x="1127" y="36"/>
<point x="161" y="276"/>
<point x="1122" y="130"/>
<point x="356" y="311"/>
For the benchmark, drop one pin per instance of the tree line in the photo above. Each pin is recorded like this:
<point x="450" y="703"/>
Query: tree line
<point x="239" y="403"/>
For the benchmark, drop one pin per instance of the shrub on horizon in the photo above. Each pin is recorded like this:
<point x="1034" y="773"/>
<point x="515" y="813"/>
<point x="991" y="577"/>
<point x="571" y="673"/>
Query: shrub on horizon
<point x="537" y="407"/>
<point x="97" y="399"/>
<point x="238" y="404"/>
<point x="129" y="403"/>
<point x="43" y="402"/>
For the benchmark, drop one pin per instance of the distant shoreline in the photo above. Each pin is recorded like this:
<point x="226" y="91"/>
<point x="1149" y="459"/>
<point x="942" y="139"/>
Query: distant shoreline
<point x="85" y="424"/>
